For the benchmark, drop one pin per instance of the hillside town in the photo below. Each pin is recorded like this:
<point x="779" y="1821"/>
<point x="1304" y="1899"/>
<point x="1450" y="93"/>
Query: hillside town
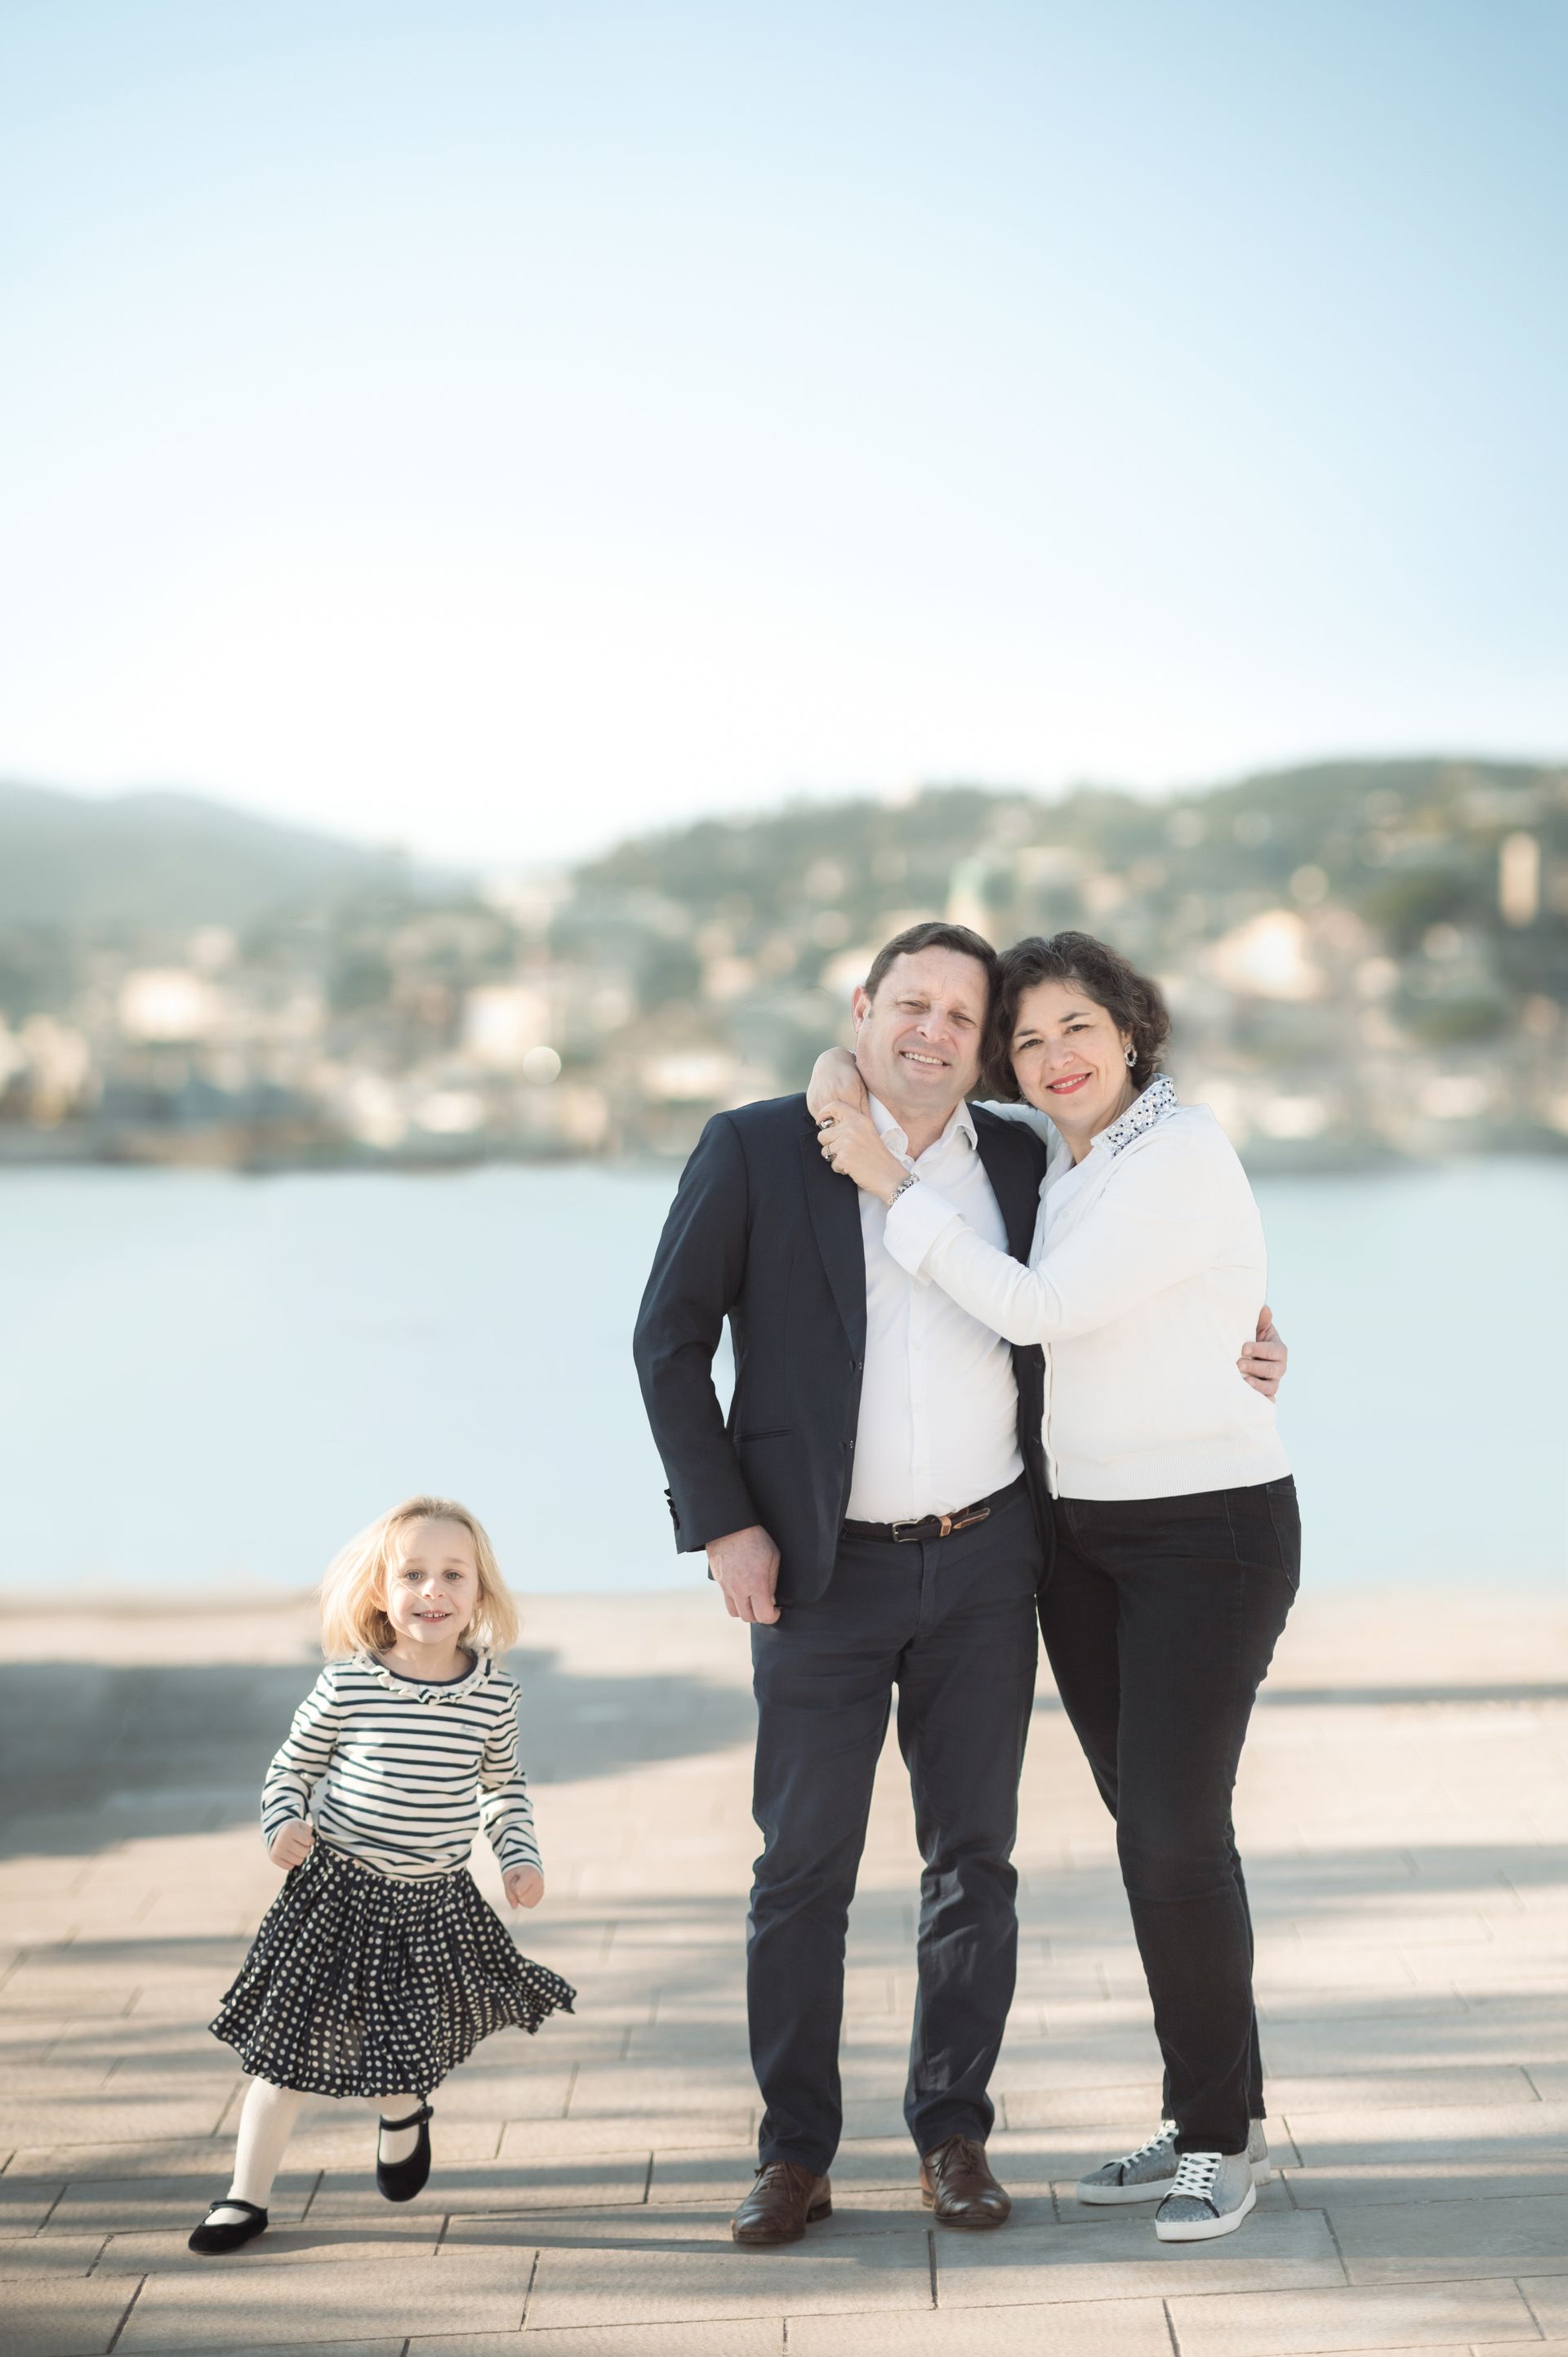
<point x="1362" y="959"/>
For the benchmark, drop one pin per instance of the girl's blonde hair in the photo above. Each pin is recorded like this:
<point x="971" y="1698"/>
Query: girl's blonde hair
<point x="354" y="1584"/>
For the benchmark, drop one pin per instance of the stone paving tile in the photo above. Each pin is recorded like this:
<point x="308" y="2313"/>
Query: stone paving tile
<point x="64" y="2319"/>
<point x="49" y="2255"/>
<point x="627" y="2092"/>
<point x="225" y="2307"/>
<point x="544" y="2141"/>
<point x="596" y="2180"/>
<point x="389" y="2347"/>
<point x="146" y="2204"/>
<point x="87" y="2120"/>
<point x="1548" y="2297"/>
<point x="737" y="2336"/>
<point x="1526" y="2231"/>
<point x="1405" y="2317"/>
<point x="25" y="2203"/>
<point x="1454" y="2179"/>
<point x="1124" y="2261"/>
<point x="1428" y="2137"/>
<point x="1459" y="2034"/>
<point x="631" y="2279"/>
<point x="1081" y="2107"/>
<point x="1400" y="2090"/>
<point x="1111" y="2328"/>
<point x="164" y="2251"/>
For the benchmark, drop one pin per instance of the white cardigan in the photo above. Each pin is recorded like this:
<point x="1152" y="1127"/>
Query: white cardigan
<point x="1151" y="1285"/>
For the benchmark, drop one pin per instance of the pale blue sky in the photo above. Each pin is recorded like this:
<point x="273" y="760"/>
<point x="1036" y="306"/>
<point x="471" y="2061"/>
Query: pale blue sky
<point x="494" y="427"/>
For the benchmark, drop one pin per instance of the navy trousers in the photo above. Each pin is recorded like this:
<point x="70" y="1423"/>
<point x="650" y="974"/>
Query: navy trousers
<point x="951" y="1624"/>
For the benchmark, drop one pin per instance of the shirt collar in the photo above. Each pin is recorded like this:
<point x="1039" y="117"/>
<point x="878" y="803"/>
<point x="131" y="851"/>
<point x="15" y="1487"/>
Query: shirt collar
<point x="1156" y="1102"/>
<point x="894" y="1138"/>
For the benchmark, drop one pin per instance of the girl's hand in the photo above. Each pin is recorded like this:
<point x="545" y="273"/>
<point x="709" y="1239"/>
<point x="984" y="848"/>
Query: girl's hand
<point x="524" y="1885"/>
<point x="291" y="1844"/>
<point x="850" y="1142"/>
<point x="835" y="1079"/>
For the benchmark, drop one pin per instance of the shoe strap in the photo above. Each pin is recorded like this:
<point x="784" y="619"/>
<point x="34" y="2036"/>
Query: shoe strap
<point x="232" y="2201"/>
<point x="415" y="2120"/>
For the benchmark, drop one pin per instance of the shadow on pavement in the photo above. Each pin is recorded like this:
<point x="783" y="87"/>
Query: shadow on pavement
<point x="75" y="1735"/>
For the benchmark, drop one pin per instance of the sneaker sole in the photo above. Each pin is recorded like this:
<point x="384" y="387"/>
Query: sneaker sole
<point x="1205" y="2230"/>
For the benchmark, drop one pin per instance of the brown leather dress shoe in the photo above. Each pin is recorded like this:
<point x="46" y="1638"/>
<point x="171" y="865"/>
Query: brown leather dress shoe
<point x="784" y="2201"/>
<point x="957" y="2183"/>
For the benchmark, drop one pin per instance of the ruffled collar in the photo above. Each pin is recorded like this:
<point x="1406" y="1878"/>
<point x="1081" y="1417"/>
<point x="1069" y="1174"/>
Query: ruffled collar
<point x="1156" y="1102"/>
<point x="415" y="1691"/>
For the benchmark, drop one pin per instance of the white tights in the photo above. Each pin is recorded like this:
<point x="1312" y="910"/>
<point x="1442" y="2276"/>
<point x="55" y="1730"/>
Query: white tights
<point x="266" y="2122"/>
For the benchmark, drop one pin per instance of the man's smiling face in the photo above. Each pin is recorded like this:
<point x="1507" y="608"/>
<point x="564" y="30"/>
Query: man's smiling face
<point x="919" y="1043"/>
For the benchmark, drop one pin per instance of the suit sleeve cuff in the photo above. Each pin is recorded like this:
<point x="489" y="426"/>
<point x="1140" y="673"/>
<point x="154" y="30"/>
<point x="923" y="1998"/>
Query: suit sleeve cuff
<point x="915" y="1223"/>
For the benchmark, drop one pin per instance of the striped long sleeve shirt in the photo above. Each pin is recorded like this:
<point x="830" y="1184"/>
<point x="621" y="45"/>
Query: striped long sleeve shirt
<point x="400" y="1773"/>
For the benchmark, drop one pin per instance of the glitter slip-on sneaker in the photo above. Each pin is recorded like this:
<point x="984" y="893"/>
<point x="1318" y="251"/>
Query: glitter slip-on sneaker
<point x="211" y="2240"/>
<point x="400" y="2180"/>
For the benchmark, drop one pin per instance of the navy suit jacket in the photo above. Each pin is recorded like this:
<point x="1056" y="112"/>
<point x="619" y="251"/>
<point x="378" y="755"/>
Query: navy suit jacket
<point x="763" y="1233"/>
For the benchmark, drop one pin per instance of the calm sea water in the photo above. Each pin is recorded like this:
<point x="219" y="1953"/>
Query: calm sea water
<point x="208" y="1383"/>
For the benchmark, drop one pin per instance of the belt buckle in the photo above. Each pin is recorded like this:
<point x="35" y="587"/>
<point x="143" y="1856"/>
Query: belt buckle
<point x="903" y="1533"/>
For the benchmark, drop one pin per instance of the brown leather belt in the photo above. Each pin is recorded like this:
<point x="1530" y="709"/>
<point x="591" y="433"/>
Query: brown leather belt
<point x="933" y="1526"/>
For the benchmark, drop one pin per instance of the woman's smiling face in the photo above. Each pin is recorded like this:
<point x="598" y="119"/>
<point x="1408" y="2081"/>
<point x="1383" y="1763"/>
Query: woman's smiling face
<point x="1070" y="1059"/>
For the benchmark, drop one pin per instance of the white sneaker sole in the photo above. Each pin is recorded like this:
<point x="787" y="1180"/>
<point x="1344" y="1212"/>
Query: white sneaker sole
<point x="1106" y="2197"/>
<point x="1205" y="2230"/>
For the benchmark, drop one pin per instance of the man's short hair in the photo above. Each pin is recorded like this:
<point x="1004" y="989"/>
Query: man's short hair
<point x="934" y="934"/>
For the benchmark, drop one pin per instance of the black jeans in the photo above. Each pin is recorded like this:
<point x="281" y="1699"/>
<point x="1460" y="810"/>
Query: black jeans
<point x="952" y="1623"/>
<point x="1160" y="1621"/>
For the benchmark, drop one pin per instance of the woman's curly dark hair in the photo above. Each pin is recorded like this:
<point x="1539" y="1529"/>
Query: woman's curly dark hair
<point x="1134" y="1004"/>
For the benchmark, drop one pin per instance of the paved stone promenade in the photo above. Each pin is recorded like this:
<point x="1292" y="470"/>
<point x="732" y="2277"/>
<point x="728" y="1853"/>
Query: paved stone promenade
<point x="1407" y="1777"/>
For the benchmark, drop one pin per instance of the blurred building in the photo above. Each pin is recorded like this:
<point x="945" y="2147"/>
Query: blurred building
<point x="1362" y="959"/>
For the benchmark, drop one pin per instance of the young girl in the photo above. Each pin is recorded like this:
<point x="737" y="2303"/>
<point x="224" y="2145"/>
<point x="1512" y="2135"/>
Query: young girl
<point x="378" y="1968"/>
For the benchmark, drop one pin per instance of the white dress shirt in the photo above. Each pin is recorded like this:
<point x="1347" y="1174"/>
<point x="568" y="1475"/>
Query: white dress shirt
<point x="939" y="1404"/>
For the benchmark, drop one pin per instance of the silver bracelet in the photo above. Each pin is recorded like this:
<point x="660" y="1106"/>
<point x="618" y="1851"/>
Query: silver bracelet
<point x="902" y="1188"/>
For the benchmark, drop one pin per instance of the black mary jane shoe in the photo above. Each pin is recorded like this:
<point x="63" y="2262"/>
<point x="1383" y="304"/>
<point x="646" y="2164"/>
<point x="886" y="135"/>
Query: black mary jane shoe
<point x="211" y="2240"/>
<point x="400" y="2180"/>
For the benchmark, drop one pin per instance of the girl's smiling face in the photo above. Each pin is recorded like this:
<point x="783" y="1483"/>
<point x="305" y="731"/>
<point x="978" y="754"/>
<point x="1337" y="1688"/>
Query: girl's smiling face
<point x="433" y="1592"/>
<point x="1070" y="1059"/>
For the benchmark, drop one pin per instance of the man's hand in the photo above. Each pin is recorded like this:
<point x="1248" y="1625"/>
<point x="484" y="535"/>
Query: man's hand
<point x="1264" y="1361"/>
<point x="524" y="1885"/>
<point x="292" y="1843"/>
<point x="746" y="1565"/>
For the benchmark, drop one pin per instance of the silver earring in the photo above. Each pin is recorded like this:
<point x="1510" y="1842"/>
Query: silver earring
<point x="1131" y="1058"/>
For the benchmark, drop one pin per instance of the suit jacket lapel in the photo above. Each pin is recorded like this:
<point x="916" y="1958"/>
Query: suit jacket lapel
<point x="1015" y="1183"/>
<point x="834" y="1206"/>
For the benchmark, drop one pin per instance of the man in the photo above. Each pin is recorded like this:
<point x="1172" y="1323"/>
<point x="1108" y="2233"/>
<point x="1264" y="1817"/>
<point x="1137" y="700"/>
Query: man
<point x="873" y="1506"/>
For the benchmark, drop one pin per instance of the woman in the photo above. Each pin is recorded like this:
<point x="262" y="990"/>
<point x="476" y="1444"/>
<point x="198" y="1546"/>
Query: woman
<point x="1177" y="1538"/>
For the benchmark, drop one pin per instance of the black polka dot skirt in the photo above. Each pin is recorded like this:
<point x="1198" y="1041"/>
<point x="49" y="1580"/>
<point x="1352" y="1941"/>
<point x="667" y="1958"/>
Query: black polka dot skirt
<point x="359" y="1985"/>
